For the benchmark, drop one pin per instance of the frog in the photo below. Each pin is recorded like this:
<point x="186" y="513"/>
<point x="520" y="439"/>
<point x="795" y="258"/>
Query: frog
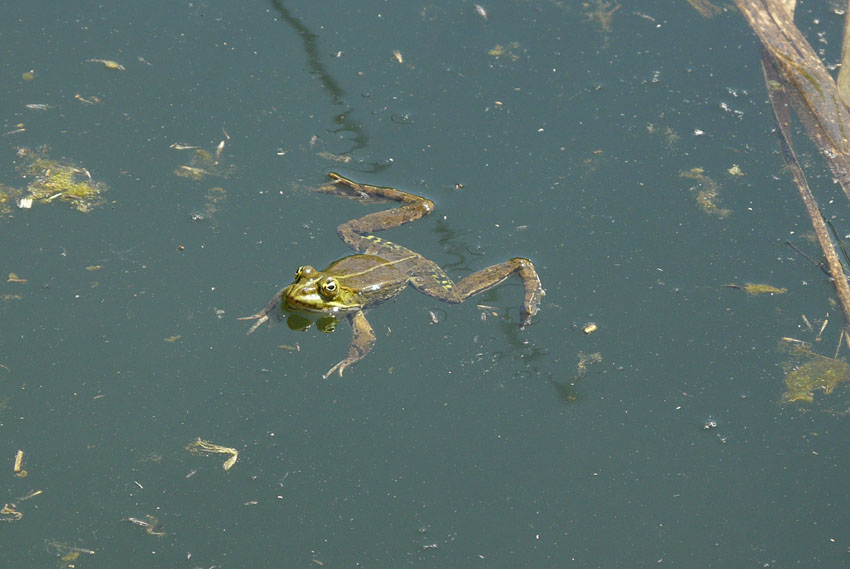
<point x="380" y="270"/>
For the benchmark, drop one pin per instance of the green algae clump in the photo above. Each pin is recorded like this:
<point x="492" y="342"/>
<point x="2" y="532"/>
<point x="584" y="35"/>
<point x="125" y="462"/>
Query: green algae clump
<point x="818" y="373"/>
<point x="58" y="180"/>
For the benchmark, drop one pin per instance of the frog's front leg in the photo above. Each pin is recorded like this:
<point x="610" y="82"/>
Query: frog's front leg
<point x="362" y="340"/>
<point x="272" y="308"/>
<point x="433" y="281"/>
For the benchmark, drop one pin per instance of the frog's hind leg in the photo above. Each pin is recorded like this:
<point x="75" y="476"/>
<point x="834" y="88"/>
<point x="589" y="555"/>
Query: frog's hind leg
<point x="433" y="281"/>
<point x="357" y="232"/>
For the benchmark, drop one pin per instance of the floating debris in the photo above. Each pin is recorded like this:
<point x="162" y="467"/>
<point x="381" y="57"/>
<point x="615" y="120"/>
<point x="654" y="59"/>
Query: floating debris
<point x="8" y="513"/>
<point x="334" y="157"/>
<point x="66" y="552"/>
<point x="735" y="170"/>
<point x="754" y="289"/>
<point x="17" y="469"/>
<point x="590" y="328"/>
<point x="708" y="192"/>
<point x="820" y="372"/>
<point x="13" y="278"/>
<point x="32" y="494"/>
<point x="566" y="390"/>
<point x="214" y="198"/>
<point x="201" y="447"/>
<point x="151" y="525"/>
<point x="705" y="8"/>
<point x="57" y="180"/>
<point x="91" y="100"/>
<point x="8" y="196"/>
<point x="601" y="13"/>
<point x="203" y="162"/>
<point x="507" y="51"/>
<point x="108" y="63"/>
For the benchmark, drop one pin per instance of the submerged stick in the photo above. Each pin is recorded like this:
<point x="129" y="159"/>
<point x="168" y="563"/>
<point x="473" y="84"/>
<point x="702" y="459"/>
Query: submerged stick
<point x="795" y="75"/>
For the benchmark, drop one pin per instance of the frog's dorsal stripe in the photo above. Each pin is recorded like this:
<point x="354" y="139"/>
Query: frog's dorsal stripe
<point x="379" y="266"/>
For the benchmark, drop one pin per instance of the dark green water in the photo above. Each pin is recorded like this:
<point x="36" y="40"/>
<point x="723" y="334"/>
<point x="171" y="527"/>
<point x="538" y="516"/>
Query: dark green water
<point x="457" y="444"/>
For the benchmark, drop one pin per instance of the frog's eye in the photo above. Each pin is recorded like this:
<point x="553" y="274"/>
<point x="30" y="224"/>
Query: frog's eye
<point x="329" y="288"/>
<point x="304" y="271"/>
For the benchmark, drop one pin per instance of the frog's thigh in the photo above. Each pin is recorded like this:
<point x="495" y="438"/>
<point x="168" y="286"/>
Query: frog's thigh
<point x="430" y="279"/>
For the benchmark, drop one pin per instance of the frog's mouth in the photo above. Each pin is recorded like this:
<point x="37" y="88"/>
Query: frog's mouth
<point x="314" y="303"/>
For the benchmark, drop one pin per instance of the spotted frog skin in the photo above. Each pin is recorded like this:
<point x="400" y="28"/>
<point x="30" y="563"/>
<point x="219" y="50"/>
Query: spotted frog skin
<point x="382" y="269"/>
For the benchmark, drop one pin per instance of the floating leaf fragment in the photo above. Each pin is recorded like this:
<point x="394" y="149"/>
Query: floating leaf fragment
<point x="108" y="63"/>
<point x="13" y="278"/>
<point x="735" y="170"/>
<point x="201" y="447"/>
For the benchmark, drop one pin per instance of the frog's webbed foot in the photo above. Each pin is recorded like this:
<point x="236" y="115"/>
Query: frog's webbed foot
<point x="362" y="340"/>
<point x="262" y="316"/>
<point x="431" y="280"/>
<point x="534" y="292"/>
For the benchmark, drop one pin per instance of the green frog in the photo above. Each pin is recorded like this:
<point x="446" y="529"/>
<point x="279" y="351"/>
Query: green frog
<point x="381" y="270"/>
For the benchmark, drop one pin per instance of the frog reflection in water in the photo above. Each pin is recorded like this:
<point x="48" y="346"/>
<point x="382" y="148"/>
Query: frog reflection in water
<point x="382" y="270"/>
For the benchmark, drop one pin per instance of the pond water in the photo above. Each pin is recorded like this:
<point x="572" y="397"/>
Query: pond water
<point x="627" y="149"/>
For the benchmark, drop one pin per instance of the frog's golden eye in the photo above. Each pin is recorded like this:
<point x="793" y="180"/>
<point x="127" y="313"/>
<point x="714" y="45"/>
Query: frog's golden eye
<point x="329" y="288"/>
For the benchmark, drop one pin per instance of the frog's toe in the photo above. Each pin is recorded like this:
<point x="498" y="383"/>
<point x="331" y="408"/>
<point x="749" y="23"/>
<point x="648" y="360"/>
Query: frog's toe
<point x="339" y="367"/>
<point x="260" y="318"/>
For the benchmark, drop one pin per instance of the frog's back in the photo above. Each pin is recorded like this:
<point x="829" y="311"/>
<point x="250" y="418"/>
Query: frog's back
<point x="374" y="278"/>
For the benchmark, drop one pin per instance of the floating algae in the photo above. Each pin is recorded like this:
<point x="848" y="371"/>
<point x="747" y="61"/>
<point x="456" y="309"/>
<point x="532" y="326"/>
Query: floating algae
<point x="708" y="192"/>
<point x="204" y="163"/>
<point x="58" y="180"/>
<point x="66" y="552"/>
<point x="214" y="199"/>
<point x="819" y="372"/>
<point x="202" y="447"/>
<point x="566" y="390"/>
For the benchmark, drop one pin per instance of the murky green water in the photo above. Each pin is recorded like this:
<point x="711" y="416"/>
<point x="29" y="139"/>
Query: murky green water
<point x="542" y="131"/>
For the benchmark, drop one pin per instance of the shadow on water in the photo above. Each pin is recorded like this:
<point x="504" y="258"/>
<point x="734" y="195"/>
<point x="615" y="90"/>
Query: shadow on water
<point x="310" y="41"/>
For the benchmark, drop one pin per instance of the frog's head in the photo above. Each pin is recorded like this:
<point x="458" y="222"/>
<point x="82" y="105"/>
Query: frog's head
<point x="316" y="291"/>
